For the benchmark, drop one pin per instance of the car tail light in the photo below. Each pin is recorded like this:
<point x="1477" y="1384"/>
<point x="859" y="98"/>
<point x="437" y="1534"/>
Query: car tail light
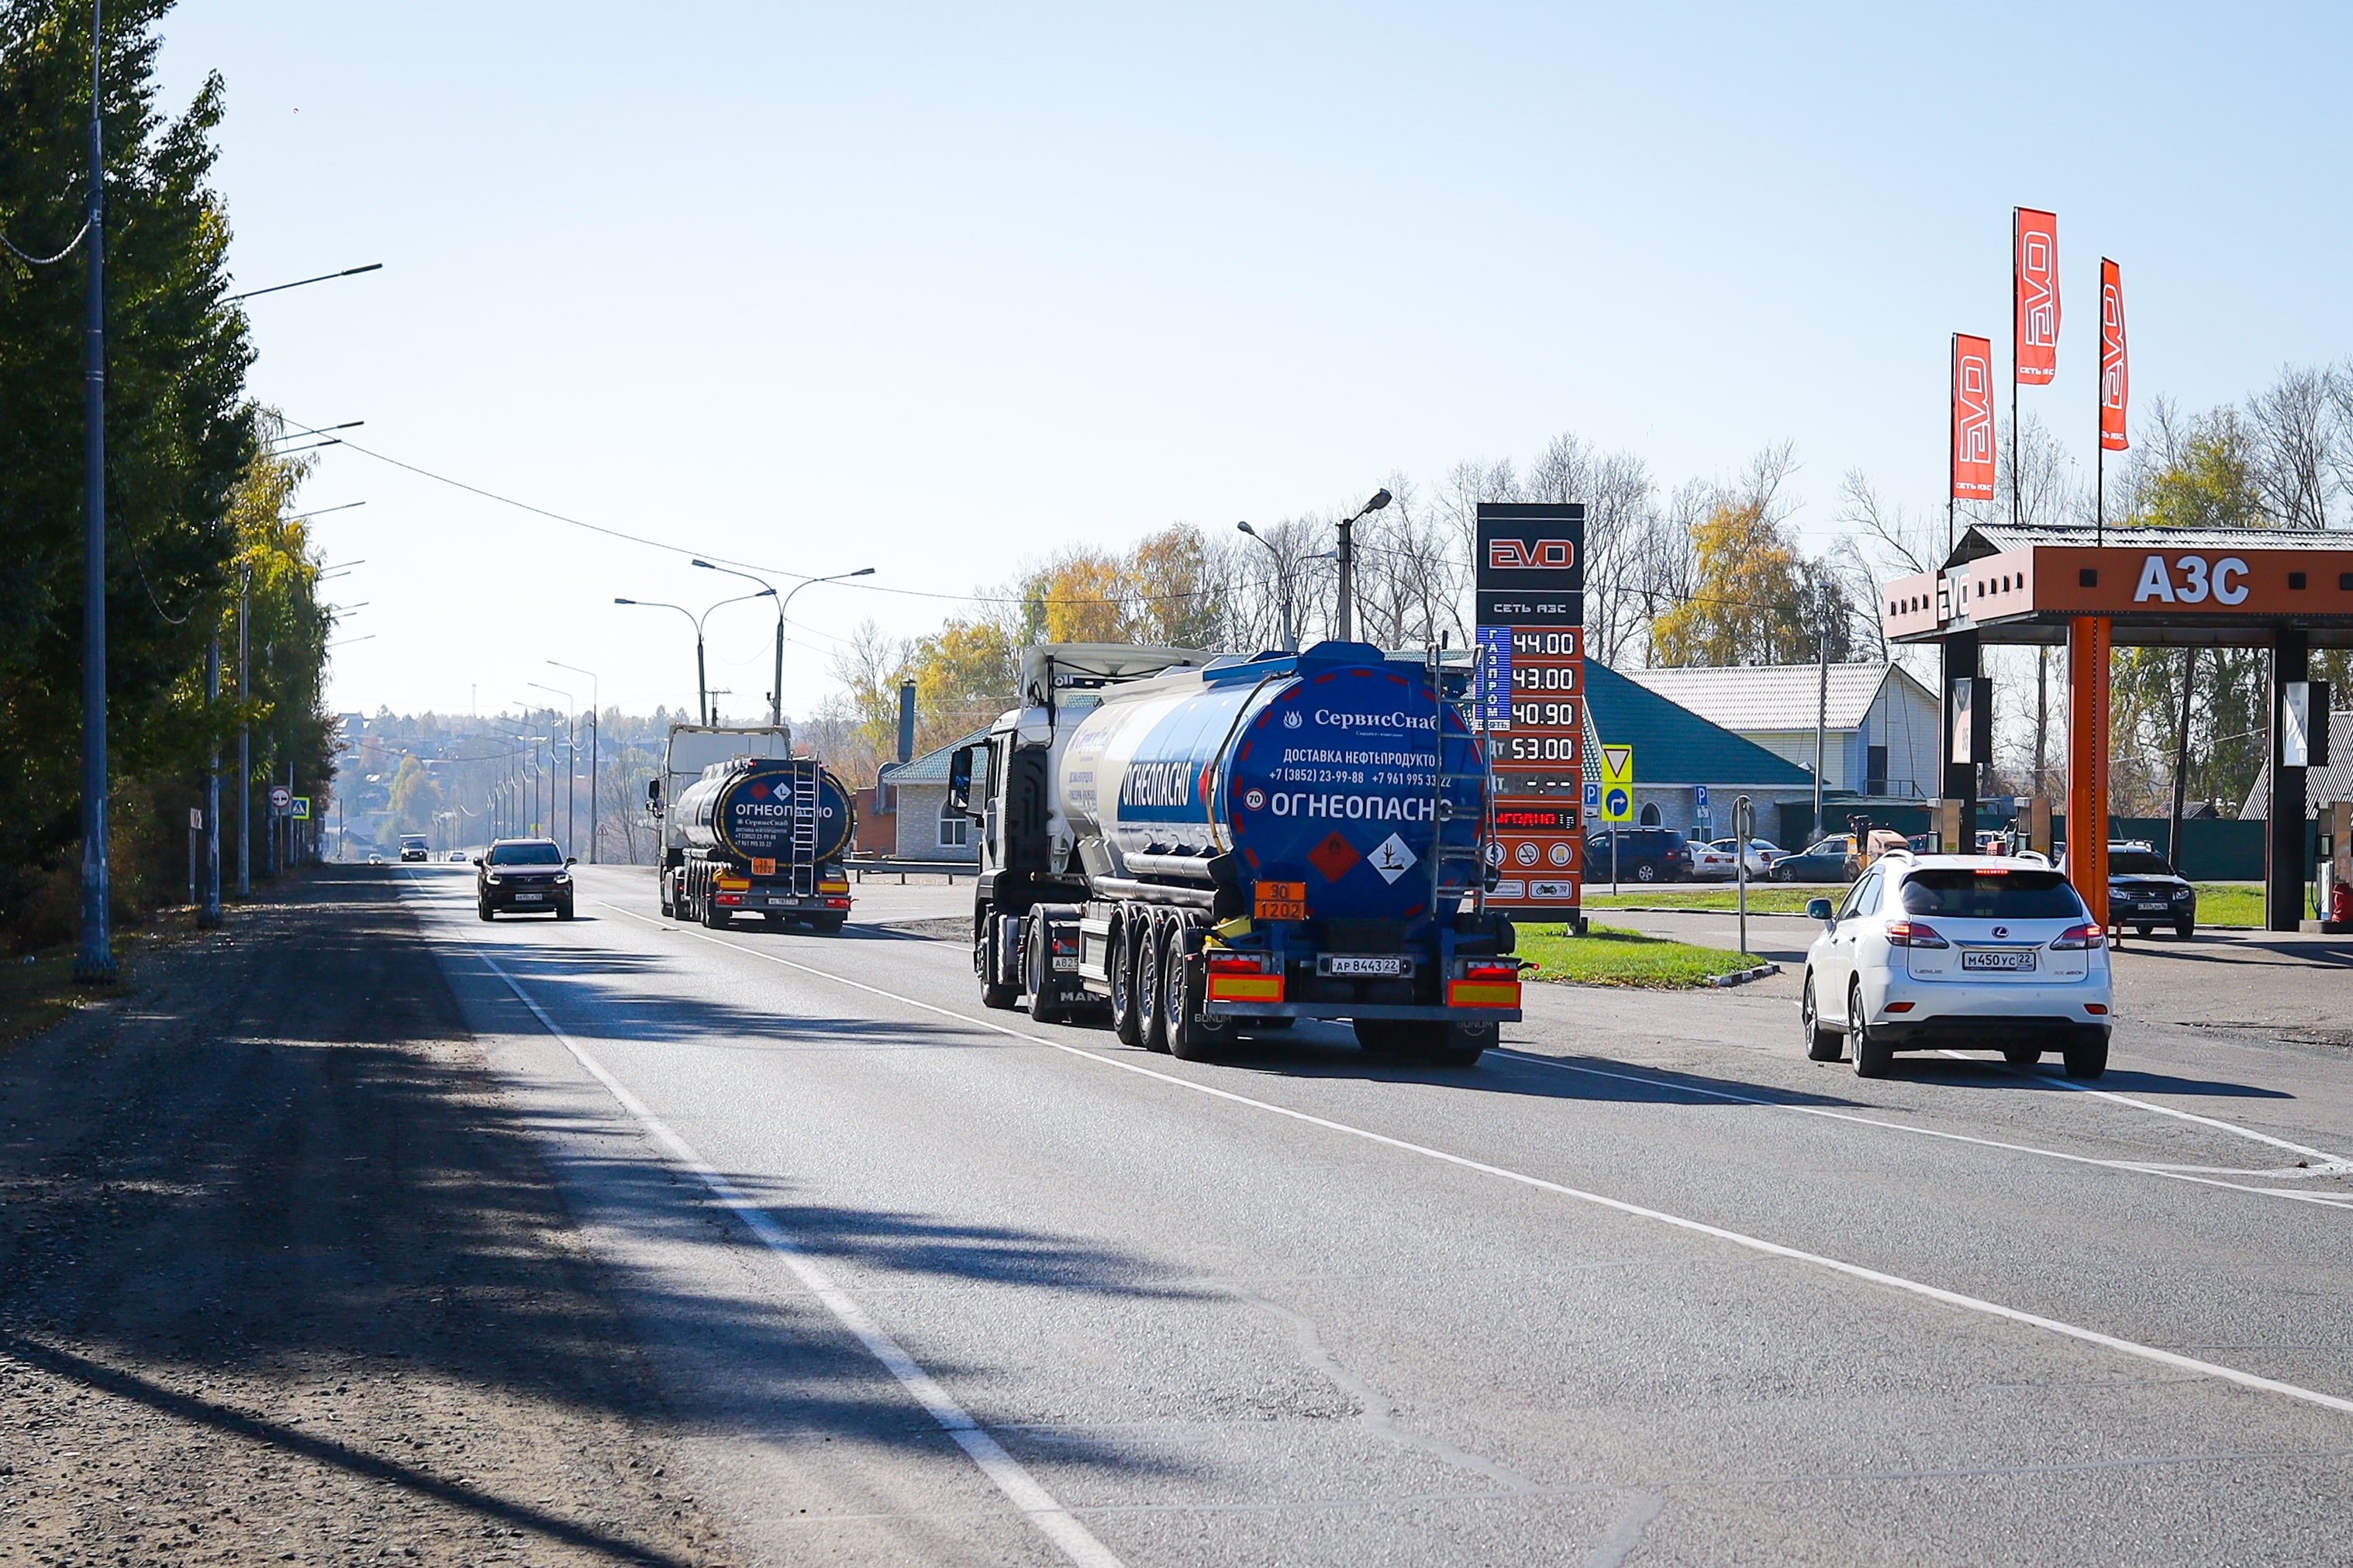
<point x="2096" y="1008"/>
<point x="2077" y="937"/>
<point x="1897" y="1008"/>
<point x="1912" y="934"/>
<point x="1492" y="971"/>
<point x="727" y="898"/>
<point x="837" y="903"/>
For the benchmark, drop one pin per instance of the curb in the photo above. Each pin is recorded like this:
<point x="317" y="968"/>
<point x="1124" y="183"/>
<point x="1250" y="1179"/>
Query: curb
<point x="1742" y="976"/>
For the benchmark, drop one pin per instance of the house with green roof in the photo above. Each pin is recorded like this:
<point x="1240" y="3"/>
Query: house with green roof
<point x="917" y="793"/>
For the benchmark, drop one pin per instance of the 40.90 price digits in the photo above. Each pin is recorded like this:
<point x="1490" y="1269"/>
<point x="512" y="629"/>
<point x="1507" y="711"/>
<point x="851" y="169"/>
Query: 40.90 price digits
<point x="1544" y="715"/>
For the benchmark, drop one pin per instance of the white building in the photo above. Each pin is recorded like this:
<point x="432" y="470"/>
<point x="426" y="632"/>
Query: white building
<point x="1882" y="728"/>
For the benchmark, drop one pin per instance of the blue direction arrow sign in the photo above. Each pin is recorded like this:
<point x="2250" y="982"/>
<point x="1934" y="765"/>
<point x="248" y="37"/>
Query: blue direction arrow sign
<point x="1617" y="804"/>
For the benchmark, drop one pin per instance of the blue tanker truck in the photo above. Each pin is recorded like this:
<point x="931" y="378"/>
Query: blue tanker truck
<point x="1209" y="845"/>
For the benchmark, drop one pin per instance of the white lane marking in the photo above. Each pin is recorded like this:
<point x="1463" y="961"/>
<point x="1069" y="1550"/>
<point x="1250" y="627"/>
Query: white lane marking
<point x="1020" y="1489"/>
<point x="2336" y="1160"/>
<point x="2172" y="1172"/>
<point x="1619" y="1205"/>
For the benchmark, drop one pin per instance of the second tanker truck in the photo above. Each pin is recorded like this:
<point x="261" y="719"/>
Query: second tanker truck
<point x="763" y="835"/>
<point x="1214" y="845"/>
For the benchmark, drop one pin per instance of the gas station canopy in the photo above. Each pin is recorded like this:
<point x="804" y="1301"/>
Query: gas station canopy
<point x="2206" y="587"/>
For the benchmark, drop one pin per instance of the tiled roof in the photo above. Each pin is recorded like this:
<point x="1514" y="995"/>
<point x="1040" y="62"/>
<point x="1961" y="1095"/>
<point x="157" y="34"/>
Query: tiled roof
<point x="1749" y="697"/>
<point x="931" y="767"/>
<point x="1992" y="539"/>
<point x="1673" y="745"/>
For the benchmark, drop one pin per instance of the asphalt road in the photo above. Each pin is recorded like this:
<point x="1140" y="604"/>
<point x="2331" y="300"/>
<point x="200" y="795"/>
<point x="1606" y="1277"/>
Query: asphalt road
<point x="932" y="1283"/>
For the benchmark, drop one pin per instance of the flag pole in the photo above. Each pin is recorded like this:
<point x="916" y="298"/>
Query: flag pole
<point x="2016" y="504"/>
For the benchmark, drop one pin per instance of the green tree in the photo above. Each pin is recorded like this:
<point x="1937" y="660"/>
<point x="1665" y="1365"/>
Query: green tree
<point x="178" y="440"/>
<point x="416" y="798"/>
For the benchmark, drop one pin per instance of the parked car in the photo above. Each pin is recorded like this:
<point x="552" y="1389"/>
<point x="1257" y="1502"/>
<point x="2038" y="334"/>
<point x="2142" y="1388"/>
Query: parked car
<point x="1719" y="862"/>
<point x="413" y="847"/>
<point x="1977" y="951"/>
<point x="523" y="874"/>
<point x="2145" y="892"/>
<point x="1834" y="859"/>
<point x="1643" y="855"/>
<point x="1712" y="862"/>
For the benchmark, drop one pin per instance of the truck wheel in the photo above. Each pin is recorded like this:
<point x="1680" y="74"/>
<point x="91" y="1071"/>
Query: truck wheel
<point x="1127" y="1015"/>
<point x="828" y="925"/>
<point x="669" y="909"/>
<point x="1191" y="1036"/>
<point x="1046" y="1004"/>
<point x="1394" y="1039"/>
<point x="1464" y="1046"/>
<point x="713" y="917"/>
<point x="992" y="993"/>
<point x="1149" y="1000"/>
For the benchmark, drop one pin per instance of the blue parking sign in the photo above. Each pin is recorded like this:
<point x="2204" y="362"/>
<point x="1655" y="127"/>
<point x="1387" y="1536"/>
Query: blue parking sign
<point x="1699" y="800"/>
<point x="1593" y="795"/>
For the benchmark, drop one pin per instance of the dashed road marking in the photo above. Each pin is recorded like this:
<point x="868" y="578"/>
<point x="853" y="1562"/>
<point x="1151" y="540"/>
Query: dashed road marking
<point x="1936" y="1293"/>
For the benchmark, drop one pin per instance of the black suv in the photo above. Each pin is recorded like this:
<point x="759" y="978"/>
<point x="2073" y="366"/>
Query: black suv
<point x="520" y="873"/>
<point x="2145" y="892"/>
<point x="1644" y="855"/>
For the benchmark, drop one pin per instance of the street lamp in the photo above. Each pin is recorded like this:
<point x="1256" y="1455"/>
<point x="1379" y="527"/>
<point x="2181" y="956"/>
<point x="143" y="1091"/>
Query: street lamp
<point x="322" y="278"/>
<point x="776" y="695"/>
<point x="701" y="686"/>
<point x="570" y="761"/>
<point x="1348" y="563"/>
<point x="595" y="705"/>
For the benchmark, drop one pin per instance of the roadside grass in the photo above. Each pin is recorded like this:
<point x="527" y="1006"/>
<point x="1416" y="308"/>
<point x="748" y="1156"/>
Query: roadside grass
<point x="2225" y="904"/>
<point x="1763" y="898"/>
<point x="1607" y="955"/>
<point x="39" y="989"/>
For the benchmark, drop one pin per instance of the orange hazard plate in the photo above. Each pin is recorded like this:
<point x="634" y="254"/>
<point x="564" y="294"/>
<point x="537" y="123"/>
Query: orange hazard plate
<point x="1279" y="901"/>
<point x="764" y="868"/>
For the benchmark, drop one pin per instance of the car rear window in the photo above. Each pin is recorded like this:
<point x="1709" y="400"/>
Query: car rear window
<point x="1991" y="895"/>
<point x="2138" y="863"/>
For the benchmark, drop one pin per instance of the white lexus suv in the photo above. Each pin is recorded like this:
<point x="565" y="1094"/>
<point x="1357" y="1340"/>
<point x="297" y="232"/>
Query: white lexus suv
<point x="1983" y="952"/>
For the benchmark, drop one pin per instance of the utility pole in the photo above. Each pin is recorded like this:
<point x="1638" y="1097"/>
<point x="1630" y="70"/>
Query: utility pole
<point x="1346" y="623"/>
<point x="1822" y="697"/>
<point x="244" y="741"/>
<point x="208" y="908"/>
<point x="95" y="962"/>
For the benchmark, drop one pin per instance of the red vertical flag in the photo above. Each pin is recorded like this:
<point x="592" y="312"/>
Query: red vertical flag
<point x="1972" y="417"/>
<point x="2116" y="371"/>
<point x="2034" y="290"/>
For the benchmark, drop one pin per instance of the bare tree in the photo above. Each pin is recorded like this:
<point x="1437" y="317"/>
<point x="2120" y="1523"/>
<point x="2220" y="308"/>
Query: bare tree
<point x="2292" y="446"/>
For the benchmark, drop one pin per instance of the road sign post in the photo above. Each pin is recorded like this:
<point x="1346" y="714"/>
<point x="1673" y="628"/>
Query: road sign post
<point x="1616" y="797"/>
<point x="1744" y="827"/>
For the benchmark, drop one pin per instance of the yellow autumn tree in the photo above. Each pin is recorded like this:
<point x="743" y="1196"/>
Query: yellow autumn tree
<point x="1748" y="598"/>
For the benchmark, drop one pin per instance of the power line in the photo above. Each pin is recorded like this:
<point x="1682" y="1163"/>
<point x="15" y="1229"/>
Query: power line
<point x="759" y="566"/>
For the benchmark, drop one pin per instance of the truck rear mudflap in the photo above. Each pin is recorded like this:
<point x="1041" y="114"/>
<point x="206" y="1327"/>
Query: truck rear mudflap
<point x="1336" y="1011"/>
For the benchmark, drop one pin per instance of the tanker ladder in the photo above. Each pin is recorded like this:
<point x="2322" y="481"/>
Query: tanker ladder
<point x="1474" y="855"/>
<point x="803" y="843"/>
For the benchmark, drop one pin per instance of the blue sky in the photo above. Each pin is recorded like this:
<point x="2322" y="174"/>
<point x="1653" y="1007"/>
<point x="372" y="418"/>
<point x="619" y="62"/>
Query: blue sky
<point x="938" y="289"/>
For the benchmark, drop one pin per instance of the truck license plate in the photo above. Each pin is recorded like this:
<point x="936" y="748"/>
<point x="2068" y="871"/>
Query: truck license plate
<point x="2001" y="960"/>
<point x="1366" y="966"/>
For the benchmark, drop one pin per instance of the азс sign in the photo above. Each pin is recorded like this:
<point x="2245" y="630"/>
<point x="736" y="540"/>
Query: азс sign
<point x="1530" y="590"/>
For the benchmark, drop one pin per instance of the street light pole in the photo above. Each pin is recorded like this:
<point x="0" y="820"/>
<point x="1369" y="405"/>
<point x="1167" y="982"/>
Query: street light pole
<point x="1281" y="585"/>
<point x="776" y="687"/>
<point x="595" y="720"/>
<point x="570" y="761"/>
<point x="1348" y="616"/>
<point x="96" y="959"/>
<point x="702" y="685"/>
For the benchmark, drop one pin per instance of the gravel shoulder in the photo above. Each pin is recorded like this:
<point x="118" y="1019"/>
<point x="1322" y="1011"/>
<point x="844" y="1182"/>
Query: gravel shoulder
<point x="283" y="1279"/>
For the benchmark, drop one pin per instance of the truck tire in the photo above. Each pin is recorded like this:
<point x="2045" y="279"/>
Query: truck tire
<point x="826" y="925"/>
<point x="1151" y="947"/>
<point x="993" y="993"/>
<point x="1127" y="1012"/>
<point x="1396" y="1039"/>
<point x="1046" y="1004"/>
<point x="1191" y="1036"/>
<point x="668" y="909"/>
<point x="1464" y="1046"/>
